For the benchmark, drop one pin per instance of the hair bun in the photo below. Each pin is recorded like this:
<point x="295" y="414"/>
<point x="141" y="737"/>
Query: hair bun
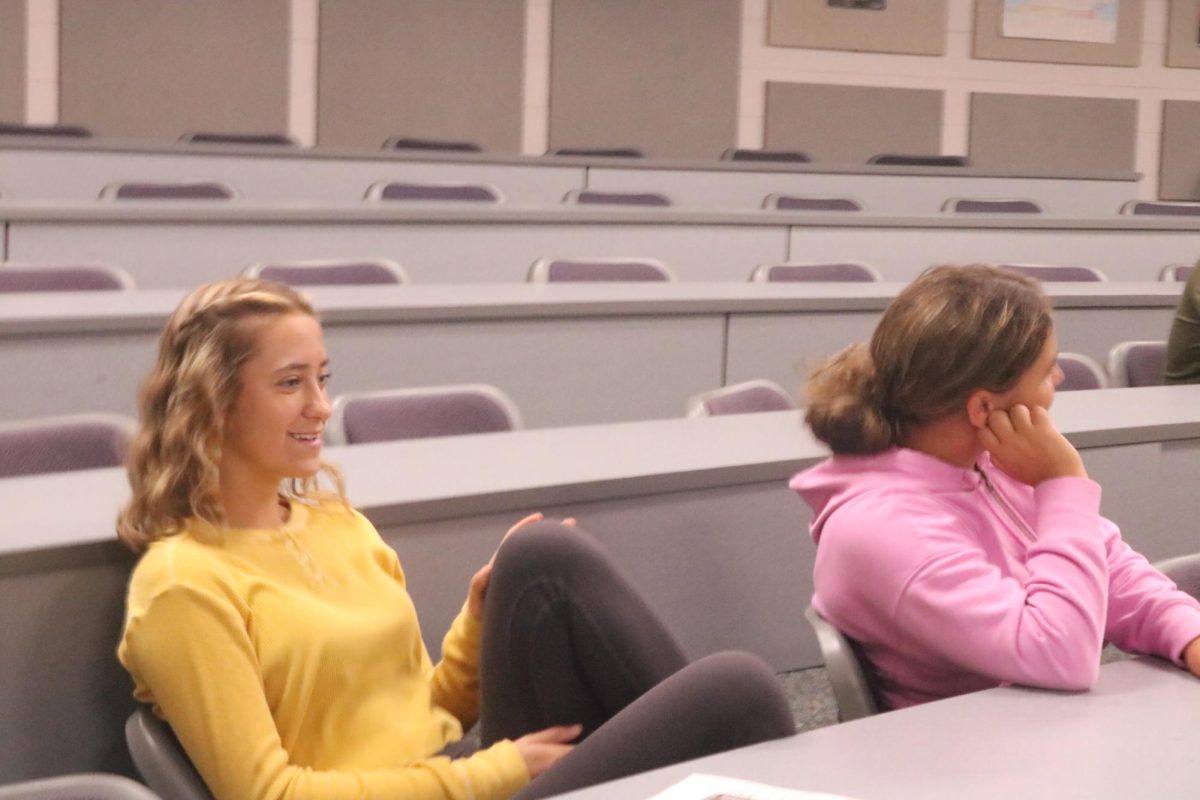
<point x="844" y="410"/>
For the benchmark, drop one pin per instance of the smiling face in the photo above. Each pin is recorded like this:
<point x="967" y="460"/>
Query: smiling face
<point x="1036" y="385"/>
<point x="273" y="431"/>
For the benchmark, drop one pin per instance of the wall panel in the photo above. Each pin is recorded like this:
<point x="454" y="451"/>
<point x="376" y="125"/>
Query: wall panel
<point x="12" y="60"/>
<point x="1052" y="133"/>
<point x="659" y="76"/>
<point x="849" y="124"/>
<point x="149" y="69"/>
<point x="1179" y="171"/>
<point x="450" y="69"/>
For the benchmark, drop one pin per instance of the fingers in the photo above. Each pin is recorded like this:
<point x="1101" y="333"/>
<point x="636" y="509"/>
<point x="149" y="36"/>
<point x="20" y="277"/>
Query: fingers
<point x="1020" y="417"/>
<point x="536" y="516"/>
<point x="558" y="734"/>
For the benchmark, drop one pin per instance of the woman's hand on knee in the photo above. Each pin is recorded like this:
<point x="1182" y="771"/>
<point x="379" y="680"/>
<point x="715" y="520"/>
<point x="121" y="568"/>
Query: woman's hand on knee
<point x="543" y="749"/>
<point x="477" y="590"/>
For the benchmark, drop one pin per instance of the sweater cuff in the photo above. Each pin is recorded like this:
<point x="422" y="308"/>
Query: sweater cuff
<point x="497" y="772"/>
<point x="1179" y="629"/>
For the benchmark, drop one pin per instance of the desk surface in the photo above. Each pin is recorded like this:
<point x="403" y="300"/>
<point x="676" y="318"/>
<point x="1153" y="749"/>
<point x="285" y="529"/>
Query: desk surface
<point x="201" y="151"/>
<point x="406" y="482"/>
<point x="1133" y="735"/>
<point x="148" y="309"/>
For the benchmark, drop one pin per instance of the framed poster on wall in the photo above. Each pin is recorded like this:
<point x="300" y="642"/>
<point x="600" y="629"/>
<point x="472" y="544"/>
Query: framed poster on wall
<point x="1108" y="32"/>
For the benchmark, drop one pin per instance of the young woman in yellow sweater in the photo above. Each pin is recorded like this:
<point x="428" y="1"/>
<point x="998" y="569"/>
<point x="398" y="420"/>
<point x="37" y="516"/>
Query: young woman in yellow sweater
<point x="269" y="624"/>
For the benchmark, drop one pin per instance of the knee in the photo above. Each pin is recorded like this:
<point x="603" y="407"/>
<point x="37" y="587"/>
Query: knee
<point x="744" y="686"/>
<point x="550" y="548"/>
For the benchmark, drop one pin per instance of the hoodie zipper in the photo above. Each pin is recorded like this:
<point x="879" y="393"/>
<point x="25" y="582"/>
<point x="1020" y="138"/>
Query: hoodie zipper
<point x="1013" y="517"/>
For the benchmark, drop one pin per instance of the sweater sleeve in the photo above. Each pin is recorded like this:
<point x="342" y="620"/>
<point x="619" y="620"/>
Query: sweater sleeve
<point x="1146" y="612"/>
<point x="1043" y="630"/>
<point x="456" y="676"/>
<point x="192" y="645"/>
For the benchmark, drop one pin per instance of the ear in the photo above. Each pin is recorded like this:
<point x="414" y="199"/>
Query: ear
<point x="980" y="403"/>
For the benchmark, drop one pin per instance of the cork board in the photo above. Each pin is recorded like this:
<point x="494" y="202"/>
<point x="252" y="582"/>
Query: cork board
<point x="1125" y="52"/>
<point x="901" y="26"/>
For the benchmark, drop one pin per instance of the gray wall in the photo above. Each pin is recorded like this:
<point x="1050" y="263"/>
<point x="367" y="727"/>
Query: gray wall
<point x="450" y="69"/>
<point x="851" y="123"/>
<point x="12" y="60"/>
<point x="660" y="76"/>
<point x="147" y="68"/>
<point x="1053" y="133"/>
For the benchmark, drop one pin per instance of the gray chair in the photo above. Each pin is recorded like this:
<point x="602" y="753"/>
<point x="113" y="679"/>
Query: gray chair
<point x="431" y="145"/>
<point x="86" y="786"/>
<point x="215" y="137"/>
<point x="146" y="190"/>
<point x="160" y="759"/>
<point x="597" y="152"/>
<point x="588" y="197"/>
<point x="778" y="156"/>
<point x="63" y="278"/>
<point x="917" y="160"/>
<point x="791" y="202"/>
<point x="749" y="397"/>
<point x="1137" y="363"/>
<point x="64" y="443"/>
<point x="55" y="131"/>
<point x="1080" y="372"/>
<point x="1176" y="272"/>
<point x="972" y="205"/>
<point x="421" y="413"/>
<point x="812" y="273"/>
<point x="848" y="671"/>
<point x="330" y="272"/>
<point x="1184" y="570"/>
<point x="580" y="270"/>
<point x="1055" y="272"/>
<point x="435" y="192"/>
<point x="1148" y="208"/>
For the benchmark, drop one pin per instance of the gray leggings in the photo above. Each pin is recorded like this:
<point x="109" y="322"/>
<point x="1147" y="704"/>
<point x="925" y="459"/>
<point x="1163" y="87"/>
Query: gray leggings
<point x="567" y="639"/>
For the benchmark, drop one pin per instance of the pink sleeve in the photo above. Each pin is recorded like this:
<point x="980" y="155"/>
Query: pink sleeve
<point x="1146" y="613"/>
<point x="1045" y="630"/>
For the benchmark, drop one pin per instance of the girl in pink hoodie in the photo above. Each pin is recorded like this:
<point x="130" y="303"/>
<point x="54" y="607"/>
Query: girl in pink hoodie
<point x="960" y="541"/>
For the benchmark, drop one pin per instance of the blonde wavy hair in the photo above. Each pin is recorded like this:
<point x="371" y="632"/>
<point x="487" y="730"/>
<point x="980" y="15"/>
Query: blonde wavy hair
<point x="175" y="458"/>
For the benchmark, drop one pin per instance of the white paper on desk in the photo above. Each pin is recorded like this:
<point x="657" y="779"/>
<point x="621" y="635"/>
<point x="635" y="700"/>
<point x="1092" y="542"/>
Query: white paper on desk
<point x="699" y="787"/>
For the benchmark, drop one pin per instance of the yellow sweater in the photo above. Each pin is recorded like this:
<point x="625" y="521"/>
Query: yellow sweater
<point x="290" y="664"/>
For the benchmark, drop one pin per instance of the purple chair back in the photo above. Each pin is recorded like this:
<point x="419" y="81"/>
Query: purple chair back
<point x="347" y="273"/>
<point x="966" y="205"/>
<point x="202" y="190"/>
<point x="1161" y="209"/>
<point x="1080" y="373"/>
<point x="784" y="156"/>
<point x="581" y="270"/>
<point x="212" y="137"/>
<point x="57" y="131"/>
<point x="1138" y="363"/>
<point x="455" y="192"/>
<point x="906" y="160"/>
<point x="82" y="278"/>
<point x="840" y="273"/>
<point x="587" y="197"/>
<point x="1056" y="273"/>
<point x="598" y="152"/>
<point x="787" y="202"/>
<point x="751" y="397"/>
<point x="425" y="413"/>
<point x="442" y="145"/>
<point x="1176" y="272"/>
<point x="63" y="445"/>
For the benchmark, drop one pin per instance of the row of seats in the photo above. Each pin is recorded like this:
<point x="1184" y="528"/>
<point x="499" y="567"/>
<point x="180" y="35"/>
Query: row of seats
<point x="382" y="271"/>
<point x="89" y="441"/>
<point x="404" y="142"/>
<point x="488" y="193"/>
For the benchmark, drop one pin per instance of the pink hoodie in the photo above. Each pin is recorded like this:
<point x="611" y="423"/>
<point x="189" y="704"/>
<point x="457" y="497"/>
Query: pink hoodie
<point x="956" y="580"/>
